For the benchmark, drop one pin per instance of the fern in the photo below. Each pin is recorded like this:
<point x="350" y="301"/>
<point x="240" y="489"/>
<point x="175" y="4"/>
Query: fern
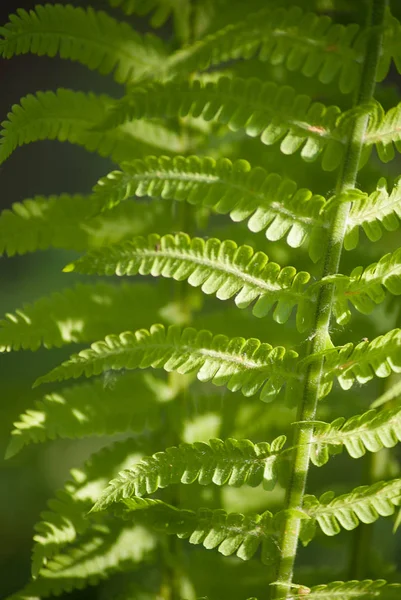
<point x="98" y="408"/>
<point x="374" y="212"/>
<point x="87" y="36"/>
<point x="220" y="268"/>
<point x="350" y="589"/>
<point x="239" y="364"/>
<point x="109" y="307"/>
<point x="232" y="462"/>
<point x="364" y="287"/>
<point x="68" y="116"/>
<point x="230" y="533"/>
<point x="269" y="202"/>
<point x="365" y="504"/>
<point x="73" y="223"/>
<point x="371" y="431"/>
<point x="263" y="110"/>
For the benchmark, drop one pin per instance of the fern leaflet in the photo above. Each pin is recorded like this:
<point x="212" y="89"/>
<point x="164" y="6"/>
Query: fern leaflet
<point x="365" y="504"/>
<point x="269" y="202"/>
<point x="371" y="431"/>
<point x="231" y="533"/>
<point x="364" y="287"/>
<point x="374" y="212"/>
<point x="239" y="364"/>
<point x="220" y="268"/>
<point x="109" y="307"/>
<point x="349" y="590"/>
<point x="228" y="462"/>
<point x="98" y="408"/>
<point x="90" y="37"/>
<point x="263" y="110"/>
<point x="68" y="116"/>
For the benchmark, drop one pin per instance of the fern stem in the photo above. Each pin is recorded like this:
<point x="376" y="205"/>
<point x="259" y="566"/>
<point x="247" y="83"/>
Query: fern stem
<point x="320" y="338"/>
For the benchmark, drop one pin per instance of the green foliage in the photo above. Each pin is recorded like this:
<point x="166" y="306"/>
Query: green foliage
<point x="220" y="268"/>
<point x="227" y="119"/>
<point x="231" y="462"/>
<point x="239" y="364"/>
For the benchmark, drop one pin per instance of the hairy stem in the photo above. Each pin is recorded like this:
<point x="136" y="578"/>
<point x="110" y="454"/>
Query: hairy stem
<point x="320" y="338"/>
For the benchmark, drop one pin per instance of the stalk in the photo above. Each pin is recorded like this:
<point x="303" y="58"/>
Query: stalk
<point x="320" y="338"/>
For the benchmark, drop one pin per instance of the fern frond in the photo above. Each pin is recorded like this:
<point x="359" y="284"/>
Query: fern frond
<point x="97" y="408"/>
<point x="365" y="288"/>
<point x="239" y="364"/>
<point x="364" y="504"/>
<point x="82" y="313"/>
<point x="220" y="268"/>
<point x="383" y="132"/>
<point x="222" y="462"/>
<point x="112" y="549"/>
<point x="380" y="357"/>
<point x="230" y="533"/>
<point x="75" y="223"/>
<point x="68" y="116"/>
<point x="301" y="41"/>
<point x="90" y="37"/>
<point x="380" y="210"/>
<point x="267" y="201"/>
<point x="67" y="515"/>
<point x="263" y="110"/>
<point x="370" y="432"/>
<point x="351" y="590"/>
<point x="392" y="393"/>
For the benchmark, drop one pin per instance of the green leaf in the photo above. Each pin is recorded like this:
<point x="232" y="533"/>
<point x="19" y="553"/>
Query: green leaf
<point x="365" y="288"/>
<point x="98" y="408"/>
<point x="350" y="590"/>
<point x="222" y="462"/>
<point x="380" y="357"/>
<point x="266" y="200"/>
<point x="66" y="518"/>
<point x="74" y="223"/>
<point x="90" y="37"/>
<point x="298" y="40"/>
<point x="364" y="504"/>
<point x="392" y="393"/>
<point x="237" y="363"/>
<point x="380" y="210"/>
<point x="69" y="116"/>
<point x="79" y="314"/>
<point x="263" y="110"/>
<point x="220" y="268"/>
<point x="370" y="432"/>
<point x="230" y="533"/>
<point x="383" y="132"/>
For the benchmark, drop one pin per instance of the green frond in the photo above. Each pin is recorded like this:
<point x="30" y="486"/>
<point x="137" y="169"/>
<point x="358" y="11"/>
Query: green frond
<point x="392" y="393"/>
<point x="300" y="41"/>
<point x="370" y="432"/>
<point x="97" y="408"/>
<point x="82" y="313"/>
<point x="383" y="132"/>
<point x="75" y="223"/>
<point x="350" y="590"/>
<point x="365" y="288"/>
<point x="68" y="116"/>
<point x="220" y="268"/>
<point x="263" y="110"/>
<point x="237" y="363"/>
<point x="112" y="549"/>
<point x="364" y="504"/>
<point x="380" y="357"/>
<point x="67" y="515"/>
<point x="222" y="462"/>
<point x="90" y="37"/>
<point x="230" y="533"/>
<point x="267" y="201"/>
<point x="380" y="210"/>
